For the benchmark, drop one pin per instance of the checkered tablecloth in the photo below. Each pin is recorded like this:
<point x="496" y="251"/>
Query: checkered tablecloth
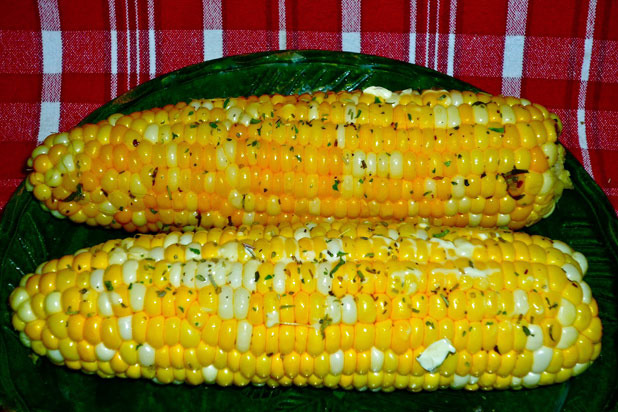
<point x="61" y="59"/>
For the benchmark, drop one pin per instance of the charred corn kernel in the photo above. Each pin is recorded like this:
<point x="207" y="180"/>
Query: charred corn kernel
<point x="380" y="306"/>
<point x="286" y="159"/>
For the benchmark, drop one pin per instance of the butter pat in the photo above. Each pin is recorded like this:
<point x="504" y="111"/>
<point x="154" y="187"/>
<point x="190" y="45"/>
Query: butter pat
<point x="435" y="354"/>
<point x="379" y="92"/>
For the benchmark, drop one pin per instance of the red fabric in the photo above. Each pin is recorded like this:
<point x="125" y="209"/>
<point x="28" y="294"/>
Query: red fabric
<point x="60" y="59"/>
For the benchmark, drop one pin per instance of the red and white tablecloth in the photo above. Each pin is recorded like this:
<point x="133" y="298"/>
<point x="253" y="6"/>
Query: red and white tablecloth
<point x="61" y="59"/>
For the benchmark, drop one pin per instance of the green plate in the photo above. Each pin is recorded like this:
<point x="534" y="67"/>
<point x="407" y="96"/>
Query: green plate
<point x="29" y="236"/>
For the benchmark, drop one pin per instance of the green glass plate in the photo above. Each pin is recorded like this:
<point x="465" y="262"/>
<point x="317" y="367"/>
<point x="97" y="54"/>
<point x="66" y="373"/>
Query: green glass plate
<point x="29" y="236"/>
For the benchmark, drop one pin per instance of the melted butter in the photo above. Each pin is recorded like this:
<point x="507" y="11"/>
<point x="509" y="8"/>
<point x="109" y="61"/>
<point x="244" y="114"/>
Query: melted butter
<point x="435" y="354"/>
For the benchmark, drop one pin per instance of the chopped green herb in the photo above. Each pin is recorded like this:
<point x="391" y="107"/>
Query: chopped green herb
<point x="226" y="102"/>
<point x="196" y="251"/>
<point x="336" y="185"/>
<point x="267" y="277"/>
<point x="169" y="192"/>
<point x="441" y="234"/>
<point x="337" y="266"/>
<point x="201" y="278"/>
<point x="447" y="163"/>
<point x="108" y="285"/>
<point x="214" y="125"/>
<point x="445" y="299"/>
<point x="360" y="275"/>
<point x="154" y="212"/>
<point x="377" y="100"/>
<point x="77" y="195"/>
<point x="324" y="323"/>
<point x="254" y="121"/>
<point x="497" y="129"/>
<point x="527" y="331"/>
<point x="161" y="293"/>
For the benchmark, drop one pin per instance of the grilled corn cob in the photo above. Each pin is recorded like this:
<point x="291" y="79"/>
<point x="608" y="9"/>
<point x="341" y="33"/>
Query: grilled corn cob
<point x="441" y="157"/>
<point x="343" y="304"/>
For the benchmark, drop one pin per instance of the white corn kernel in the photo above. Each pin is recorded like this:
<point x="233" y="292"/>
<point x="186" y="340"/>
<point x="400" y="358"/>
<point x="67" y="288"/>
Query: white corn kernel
<point x="210" y="373"/>
<point x="25" y="313"/>
<point x="336" y="362"/>
<point x="535" y="337"/>
<point x="377" y="359"/>
<point x="125" y="327"/>
<point x="349" y="313"/>
<point x="151" y="133"/>
<point x="568" y="337"/>
<point x="541" y="358"/>
<point x="18" y="296"/>
<point x="55" y="356"/>
<point x="136" y="296"/>
<point x="332" y="309"/>
<point x="104" y="304"/>
<point x="226" y="303"/>
<point x="243" y="336"/>
<point x="572" y="272"/>
<point x="96" y="280"/>
<point x="146" y="355"/>
<point x="566" y="313"/>
<point x="241" y="303"/>
<point x="520" y="301"/>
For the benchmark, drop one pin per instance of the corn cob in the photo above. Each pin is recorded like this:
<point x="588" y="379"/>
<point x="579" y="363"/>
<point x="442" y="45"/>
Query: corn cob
<point x="393" y="306"/>
<point x="445" y="158"/>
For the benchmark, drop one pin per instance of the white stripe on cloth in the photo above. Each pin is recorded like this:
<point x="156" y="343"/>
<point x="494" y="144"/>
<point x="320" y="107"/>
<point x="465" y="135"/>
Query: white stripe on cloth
<point x="282" y="26"/>
<point x="426" y="62"/>
<point x="437" y="39"/>
<point x="213" y="29"/>
<point x="513" y="63"/>
<point x="113" y="42"/>
<point x="126" y="15"/>
<point x="450" y="63"/>
<point x="351" y="25"/>
<point x="583" y="86"/>
<point x="412" y="40"/>
<point x="51" y="39"/>
<point x="152" y="52"/>
<point x="137" y="57"/>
